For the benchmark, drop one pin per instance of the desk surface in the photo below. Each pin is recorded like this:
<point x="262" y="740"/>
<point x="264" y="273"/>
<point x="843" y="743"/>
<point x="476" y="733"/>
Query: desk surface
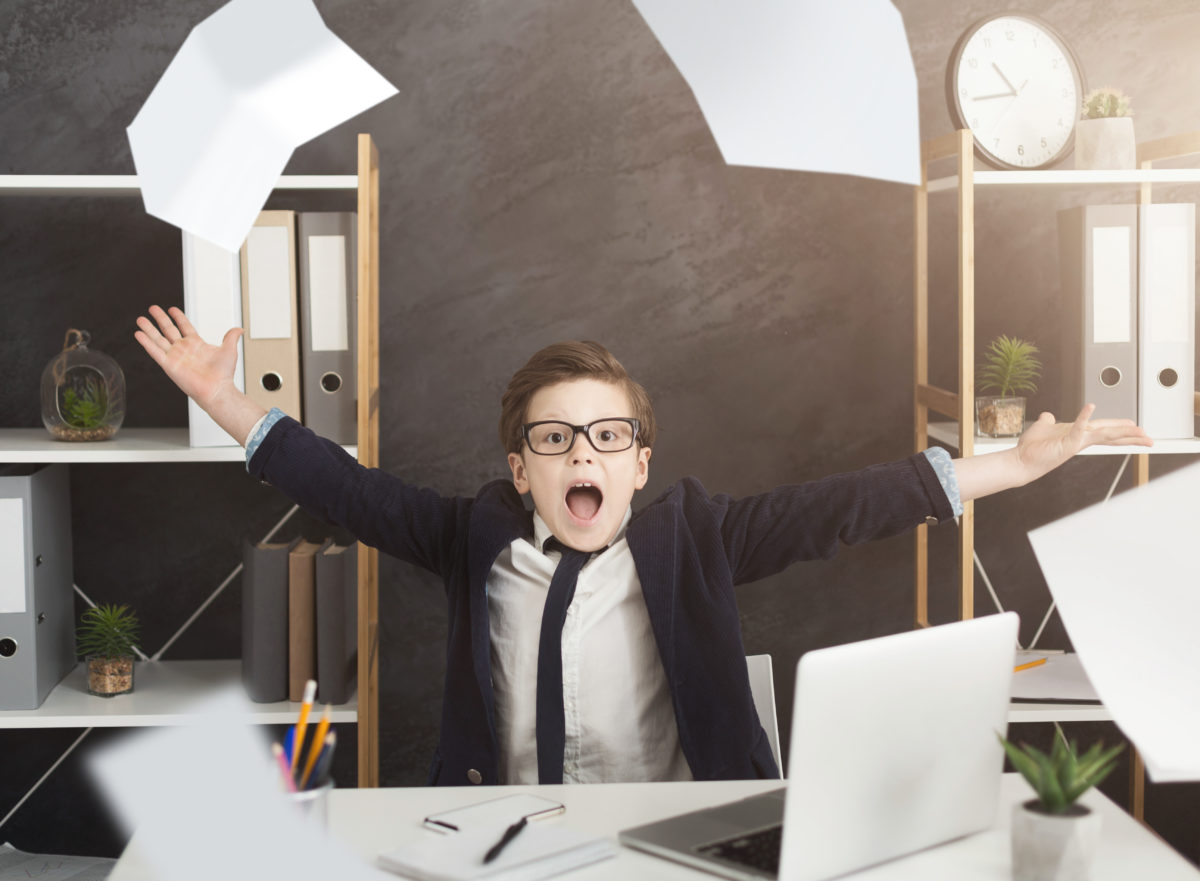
<point x="373" y="820"/>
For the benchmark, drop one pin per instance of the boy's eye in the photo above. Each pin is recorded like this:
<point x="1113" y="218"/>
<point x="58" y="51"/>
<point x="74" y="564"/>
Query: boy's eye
<point x="606" y="436"/>
<point x="555" y="438"/>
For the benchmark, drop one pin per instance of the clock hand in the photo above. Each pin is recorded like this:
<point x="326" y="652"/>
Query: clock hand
<point x="1003" y="77"/>
<point x="989" y="97"/>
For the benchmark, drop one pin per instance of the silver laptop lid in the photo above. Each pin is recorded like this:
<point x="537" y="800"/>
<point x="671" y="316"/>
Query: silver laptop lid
<point x="894" y="745"/>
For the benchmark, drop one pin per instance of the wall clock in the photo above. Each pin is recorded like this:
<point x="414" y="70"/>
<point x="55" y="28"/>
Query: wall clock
<point x="1017" y="85"/>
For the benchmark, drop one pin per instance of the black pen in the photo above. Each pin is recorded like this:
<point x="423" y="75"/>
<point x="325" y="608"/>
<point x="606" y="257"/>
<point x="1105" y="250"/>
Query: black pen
<point x="509" y="834"/>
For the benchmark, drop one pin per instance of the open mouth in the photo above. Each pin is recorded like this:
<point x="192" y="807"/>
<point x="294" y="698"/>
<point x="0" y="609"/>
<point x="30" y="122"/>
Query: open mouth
<point x="584" y="501"/>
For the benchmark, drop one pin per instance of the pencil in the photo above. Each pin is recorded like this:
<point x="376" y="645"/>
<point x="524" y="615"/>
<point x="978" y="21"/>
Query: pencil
<point x="325" y="760"/>
<point x="1037" y="663"/>
<point x="314" y="749"/>
<point x="310" y="692"/>
<point x="277" y="752"/>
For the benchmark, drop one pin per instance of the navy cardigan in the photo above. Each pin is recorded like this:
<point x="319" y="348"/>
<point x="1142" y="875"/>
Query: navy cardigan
<point x="690" y="550"/>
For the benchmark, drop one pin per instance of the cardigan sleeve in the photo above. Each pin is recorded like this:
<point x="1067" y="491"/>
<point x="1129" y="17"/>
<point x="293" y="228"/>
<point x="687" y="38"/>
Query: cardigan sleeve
<point x="763" y="534"/>
<point x="416" y="525"/>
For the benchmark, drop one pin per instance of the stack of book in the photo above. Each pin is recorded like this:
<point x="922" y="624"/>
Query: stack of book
<point x="299" y="619"/>
<point x="293" y="289"/>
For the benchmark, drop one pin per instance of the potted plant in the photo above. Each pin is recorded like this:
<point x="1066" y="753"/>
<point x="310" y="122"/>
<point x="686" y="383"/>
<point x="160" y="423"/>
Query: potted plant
<point x="1053" y="838"/>
<point x="106" y="639"/>
<point x="1104" y="133"/>
<point x="1010" y="366"/>
<point x="83" y="392"/>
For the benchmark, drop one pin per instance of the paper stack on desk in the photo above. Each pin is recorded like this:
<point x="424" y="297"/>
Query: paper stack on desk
<point x="543" y="850"/>
<point x="1125" y="575"/>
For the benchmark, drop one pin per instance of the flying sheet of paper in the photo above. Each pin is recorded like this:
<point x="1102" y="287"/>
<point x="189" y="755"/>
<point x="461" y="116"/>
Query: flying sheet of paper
<point x="807" y="85"/>
<point x="1061" y="678"/>
<point x="205" y="801"/>
<point x="1126" y="578"/>
<point x="251" y="82"/>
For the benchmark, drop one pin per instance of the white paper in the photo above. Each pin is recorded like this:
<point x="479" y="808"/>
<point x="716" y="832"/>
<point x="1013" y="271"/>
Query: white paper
<point x="1126" y="578"/>
<point x="1061" y="678"/>
<point x="206" y="802"/>
<point x="808" y="85"/>
<point x="16" y="865"/>
<point x="251" y="82"/>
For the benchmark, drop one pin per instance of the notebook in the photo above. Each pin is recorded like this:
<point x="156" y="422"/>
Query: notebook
<point x="542" y="850"/>
<point x="893" y="749"/>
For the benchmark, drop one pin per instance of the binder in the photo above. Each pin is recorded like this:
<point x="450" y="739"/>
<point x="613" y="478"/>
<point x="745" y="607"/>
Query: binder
<point x="265" y="619"/>
<point x="212" y="299"/>
<point x="1167" y="319"/>
<point x="1098" y="268"/>
<point x="301" y="618"/>
<point x="328" y="322"/>
<point x="272" y="342"/>
<point x="337" y="622"/>
<point x="37" y="605"/>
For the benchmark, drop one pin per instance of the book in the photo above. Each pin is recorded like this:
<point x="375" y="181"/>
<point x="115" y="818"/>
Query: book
<point x="542" y="850"/>
<point x="301" y="617"/>
<point x="337" y="621"/>
<point x="265" y="620"/>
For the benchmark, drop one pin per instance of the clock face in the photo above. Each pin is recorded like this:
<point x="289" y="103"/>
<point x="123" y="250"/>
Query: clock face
<point x="1014" y="82"/>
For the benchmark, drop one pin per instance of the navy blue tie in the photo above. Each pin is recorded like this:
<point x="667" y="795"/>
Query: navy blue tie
<point x="551" y="728"/>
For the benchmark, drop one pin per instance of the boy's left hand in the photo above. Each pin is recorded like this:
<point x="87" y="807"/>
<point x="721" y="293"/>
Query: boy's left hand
<point x="1046" y="444"/>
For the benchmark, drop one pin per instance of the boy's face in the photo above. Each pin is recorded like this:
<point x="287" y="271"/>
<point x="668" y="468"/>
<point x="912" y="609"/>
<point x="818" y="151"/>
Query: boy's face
<point x="585" y="518"/>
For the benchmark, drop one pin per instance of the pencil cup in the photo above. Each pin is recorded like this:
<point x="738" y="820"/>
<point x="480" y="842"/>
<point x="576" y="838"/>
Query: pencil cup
<point x="314" y="804"/>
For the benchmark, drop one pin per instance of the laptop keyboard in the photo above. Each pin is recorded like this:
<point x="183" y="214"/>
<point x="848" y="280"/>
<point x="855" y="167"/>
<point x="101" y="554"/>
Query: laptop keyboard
<point x="757" y="849"/>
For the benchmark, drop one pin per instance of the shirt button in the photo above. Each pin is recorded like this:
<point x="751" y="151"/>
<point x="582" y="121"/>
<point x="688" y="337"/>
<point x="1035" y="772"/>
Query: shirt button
<point x="474" y="776"/>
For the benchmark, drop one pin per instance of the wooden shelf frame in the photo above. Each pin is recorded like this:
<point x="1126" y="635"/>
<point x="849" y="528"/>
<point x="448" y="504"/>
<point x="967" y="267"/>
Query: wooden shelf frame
<point x="66" y="706"/>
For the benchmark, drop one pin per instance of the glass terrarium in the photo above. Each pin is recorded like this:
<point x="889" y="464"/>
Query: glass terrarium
<point x="83" y="392"/>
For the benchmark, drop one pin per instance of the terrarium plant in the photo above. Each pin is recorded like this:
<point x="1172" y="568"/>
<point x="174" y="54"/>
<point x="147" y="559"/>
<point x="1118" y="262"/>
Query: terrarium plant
<point x="1053" y="837"/>
<point x="106" y="638"/>
<point x="1104" y="136"/>
<point x="83" y="392"/>
<point x="1010" y="367"/>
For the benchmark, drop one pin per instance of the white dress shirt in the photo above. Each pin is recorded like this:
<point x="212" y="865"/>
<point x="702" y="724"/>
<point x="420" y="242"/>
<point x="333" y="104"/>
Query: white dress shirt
<point x="620" y="722"/>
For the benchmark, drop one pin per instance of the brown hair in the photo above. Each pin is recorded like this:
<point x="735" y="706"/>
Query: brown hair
<point x="561" y="362"/>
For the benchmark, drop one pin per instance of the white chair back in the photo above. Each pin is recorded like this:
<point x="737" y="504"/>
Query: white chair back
<point x="762" y="687"/>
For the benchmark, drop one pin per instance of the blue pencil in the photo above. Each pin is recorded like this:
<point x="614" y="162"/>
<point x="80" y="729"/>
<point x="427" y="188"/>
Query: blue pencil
<point x="321" y="769"/>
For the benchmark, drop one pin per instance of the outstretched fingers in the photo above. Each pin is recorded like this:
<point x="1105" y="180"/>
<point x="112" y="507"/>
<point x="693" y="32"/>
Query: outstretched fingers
<point x="165" y="324"/>
<point x="181" y="320"/>
<point x="151" y="333"/>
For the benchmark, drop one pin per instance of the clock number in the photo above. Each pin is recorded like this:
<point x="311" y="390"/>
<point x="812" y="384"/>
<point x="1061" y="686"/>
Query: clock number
<point x="987" y="42"/>
<point x="1020" y="149"/>
<point x="975" y="123"/>
<point x="1009" y="35"/>
<point x="973" y="63"/>
<point x="1043" y="143"/>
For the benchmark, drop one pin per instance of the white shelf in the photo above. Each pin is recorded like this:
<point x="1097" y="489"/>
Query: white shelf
<point x="1070" y="177"/>
<point x="127" y="184"/>
<point x="1052" y="712"/>
<point x="164" y="693"/>
<point x="35" y="445"/>
<point x="947" y="433"/>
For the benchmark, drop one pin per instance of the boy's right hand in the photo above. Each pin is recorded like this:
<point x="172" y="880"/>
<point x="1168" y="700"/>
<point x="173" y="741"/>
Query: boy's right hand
<point x="203" y="371"/>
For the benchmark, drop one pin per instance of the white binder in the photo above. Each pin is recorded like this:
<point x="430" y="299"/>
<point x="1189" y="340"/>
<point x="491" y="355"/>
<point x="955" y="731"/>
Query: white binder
<point x="212" y="299"/>
<point x="1098" y="269"/>
<point x="1166" y="319"/>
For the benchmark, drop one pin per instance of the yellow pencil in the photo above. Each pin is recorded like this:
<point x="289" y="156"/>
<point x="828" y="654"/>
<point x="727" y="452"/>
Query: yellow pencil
<point x="318" y="742"/>
<point x="310" y="692"/>
<point x="1036" y="663"/>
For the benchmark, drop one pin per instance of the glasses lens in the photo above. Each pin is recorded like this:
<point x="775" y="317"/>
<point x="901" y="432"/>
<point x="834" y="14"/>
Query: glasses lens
<point x="550" y="437"/>
<point x="611" y="435"/>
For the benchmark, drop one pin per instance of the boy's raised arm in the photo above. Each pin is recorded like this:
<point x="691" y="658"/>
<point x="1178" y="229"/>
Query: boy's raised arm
<point x="1043" y="447"/>
<point x="202" y="371"/>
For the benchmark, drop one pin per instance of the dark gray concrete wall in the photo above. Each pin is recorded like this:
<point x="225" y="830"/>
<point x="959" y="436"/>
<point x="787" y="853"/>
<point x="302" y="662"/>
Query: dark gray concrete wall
<point x="546" y="174"/>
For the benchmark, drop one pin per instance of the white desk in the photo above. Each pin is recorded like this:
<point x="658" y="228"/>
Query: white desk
<point x="372" y="820"/>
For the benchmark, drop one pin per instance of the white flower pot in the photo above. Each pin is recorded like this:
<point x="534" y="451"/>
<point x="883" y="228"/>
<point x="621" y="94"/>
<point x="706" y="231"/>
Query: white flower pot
<point x="1053" y="847"/>
<point x="1105" y="143"/>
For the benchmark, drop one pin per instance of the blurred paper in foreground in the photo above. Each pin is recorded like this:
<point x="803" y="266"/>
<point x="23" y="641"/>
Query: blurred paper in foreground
<point x="251" y="82"/>
<point x="1126" y="578"/>
<point x="807" y="85"/>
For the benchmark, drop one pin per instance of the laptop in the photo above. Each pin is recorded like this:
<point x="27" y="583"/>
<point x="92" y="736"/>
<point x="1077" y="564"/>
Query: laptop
<point x="893" y="750"/>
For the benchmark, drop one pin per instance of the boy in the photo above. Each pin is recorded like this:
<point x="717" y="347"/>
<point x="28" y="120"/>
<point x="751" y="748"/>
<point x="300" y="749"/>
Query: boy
<point x="587" y="644"/>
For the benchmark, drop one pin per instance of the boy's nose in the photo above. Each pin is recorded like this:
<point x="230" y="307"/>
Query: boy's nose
<point x="580" y="450"/>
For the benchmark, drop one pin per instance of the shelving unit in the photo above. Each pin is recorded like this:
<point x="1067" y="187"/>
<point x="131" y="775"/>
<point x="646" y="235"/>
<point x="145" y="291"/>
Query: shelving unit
<point x="164" y="689"/>
<point x="958" y="406"/>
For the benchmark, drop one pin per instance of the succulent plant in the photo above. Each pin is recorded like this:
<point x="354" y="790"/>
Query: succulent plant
<point x="1064" y="775"/>
<point x="1106" y="102"/>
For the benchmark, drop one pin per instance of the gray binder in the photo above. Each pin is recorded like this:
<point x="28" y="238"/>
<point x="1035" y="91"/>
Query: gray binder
<point x="265" y="620"/>
<point x="37" y="607"/>
<point x="328" y="322"/>
<point x="1098" y="265"/>
<point x="337" y="622"/>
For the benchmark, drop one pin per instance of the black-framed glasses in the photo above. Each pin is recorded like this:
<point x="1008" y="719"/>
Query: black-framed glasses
<point x="551" y="438"/>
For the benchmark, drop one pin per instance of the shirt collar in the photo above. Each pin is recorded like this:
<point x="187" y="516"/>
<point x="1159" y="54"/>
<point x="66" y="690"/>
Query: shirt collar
<point x="541" y="531"/>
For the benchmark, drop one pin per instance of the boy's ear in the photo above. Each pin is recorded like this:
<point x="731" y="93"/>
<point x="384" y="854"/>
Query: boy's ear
<point x="519" y="476"/>
<point x="643" y="467"/>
